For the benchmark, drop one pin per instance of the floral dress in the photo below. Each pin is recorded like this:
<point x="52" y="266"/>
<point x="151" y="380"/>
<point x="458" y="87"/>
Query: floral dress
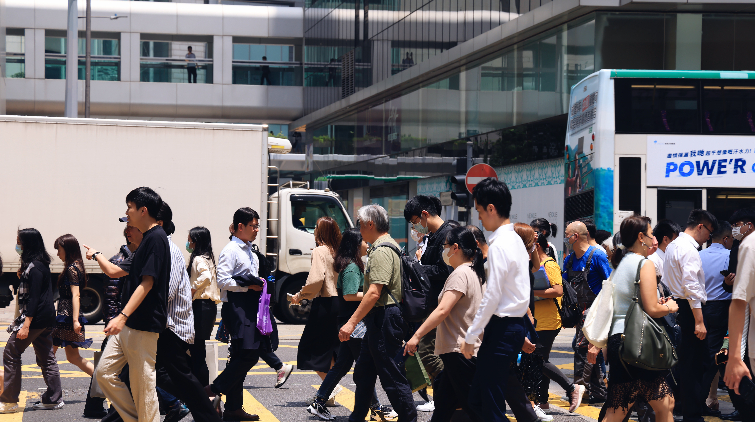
<point x="63" y="334"/>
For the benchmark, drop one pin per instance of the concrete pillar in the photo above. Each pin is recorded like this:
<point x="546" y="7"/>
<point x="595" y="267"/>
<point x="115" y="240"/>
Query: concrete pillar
<point x="134" y="54"/>
<point x="125" y="57"/>
<point x="227" y="46"/>
<point x="689" y="37"/>
<point x="218" y="59"/>
<point x="39" y="54"/>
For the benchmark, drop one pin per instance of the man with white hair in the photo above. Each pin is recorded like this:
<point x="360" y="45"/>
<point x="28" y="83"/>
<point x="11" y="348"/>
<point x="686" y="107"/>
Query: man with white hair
<point x="382" y="346"/>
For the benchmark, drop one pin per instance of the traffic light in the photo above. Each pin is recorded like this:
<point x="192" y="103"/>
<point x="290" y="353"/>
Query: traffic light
<point x="460" y="194"/>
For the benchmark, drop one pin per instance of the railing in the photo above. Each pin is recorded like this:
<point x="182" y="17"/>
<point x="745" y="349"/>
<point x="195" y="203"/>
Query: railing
<point x="104" y="68"/>
<point x="256" y="72"/>
<point x="173" y="70"/>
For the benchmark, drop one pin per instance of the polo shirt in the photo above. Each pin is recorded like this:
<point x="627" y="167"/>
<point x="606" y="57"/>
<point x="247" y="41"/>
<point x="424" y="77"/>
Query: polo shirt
<point x="384" y="267"/>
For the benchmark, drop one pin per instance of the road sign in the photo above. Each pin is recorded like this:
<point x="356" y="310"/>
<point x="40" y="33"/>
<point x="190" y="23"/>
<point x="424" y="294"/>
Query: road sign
<point x="477" y="173"/>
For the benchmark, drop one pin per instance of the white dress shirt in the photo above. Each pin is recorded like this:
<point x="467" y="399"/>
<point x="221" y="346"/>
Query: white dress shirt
<point x="657" y="258"/>
<point x="683" y="271"/>
<point x="236" y="258"/>
<point x="508" y="286"/>
<point x="744" y="287"/>
<point x="180" y="314"/>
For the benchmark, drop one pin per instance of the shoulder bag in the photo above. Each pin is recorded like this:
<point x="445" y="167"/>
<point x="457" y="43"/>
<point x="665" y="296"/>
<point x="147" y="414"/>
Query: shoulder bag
<point x="599" y="317"/>
<point x="645" y="343"/>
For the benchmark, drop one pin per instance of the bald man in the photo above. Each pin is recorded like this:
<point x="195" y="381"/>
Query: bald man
<point x="585" y="268"/>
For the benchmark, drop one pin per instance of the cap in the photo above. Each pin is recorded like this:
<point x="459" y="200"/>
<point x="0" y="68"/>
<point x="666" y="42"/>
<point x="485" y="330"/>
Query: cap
<point x="123" y="219"/>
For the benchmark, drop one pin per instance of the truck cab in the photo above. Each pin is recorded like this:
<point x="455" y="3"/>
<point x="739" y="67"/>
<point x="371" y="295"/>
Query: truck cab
<point x="294" y="211"/>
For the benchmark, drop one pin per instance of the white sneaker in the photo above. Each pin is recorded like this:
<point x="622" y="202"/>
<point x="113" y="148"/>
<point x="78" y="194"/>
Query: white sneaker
<point x="9" y="408"/>
<point x="426" y="407"/>
<point x="48" y="406"/>
<point x="282" y="375"/>
<point x="320" y="411"/>
<point x="541" y="415"/>
<point x="332" y="399"/>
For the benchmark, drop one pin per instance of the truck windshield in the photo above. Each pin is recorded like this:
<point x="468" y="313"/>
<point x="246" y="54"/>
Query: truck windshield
<point x="307" y="209"/>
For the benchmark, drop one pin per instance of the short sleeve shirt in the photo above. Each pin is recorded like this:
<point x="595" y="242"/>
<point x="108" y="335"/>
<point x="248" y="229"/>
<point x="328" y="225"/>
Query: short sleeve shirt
<point x="152" y="258"/>
<point x="600" y="269"/>
<point x="744" y="282"/>
<point x="384" y="267"/>
<point x="453" y="329"/>
<point x="546" y="313"/>
<point x="350" y="280"/>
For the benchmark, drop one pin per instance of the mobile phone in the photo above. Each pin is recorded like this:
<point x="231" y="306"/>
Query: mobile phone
<point x="725" y="273"/>
<point x="290" y="297"/>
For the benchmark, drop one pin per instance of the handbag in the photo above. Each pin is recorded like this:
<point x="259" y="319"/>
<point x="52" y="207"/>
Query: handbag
<point x="264" y="324"/>
<point x="645" y="344"/>
<point x="415" y="373"/>
<point x="529" y="372"/>
<point x="599" y="318"/>
<point x="569" y="309"/>
<point x="222" y="334"/>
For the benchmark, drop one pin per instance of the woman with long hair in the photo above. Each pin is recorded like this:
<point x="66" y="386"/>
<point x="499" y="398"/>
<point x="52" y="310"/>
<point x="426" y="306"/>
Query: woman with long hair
<point x="349" y="265"/>
<point x="205" y="297"/>
<point x="319" y="341"/>
<point x="628" y="383"/>
<point x="458" y="303"/>
<point x="33" y="326"/>
<point x="69" y="331"/>
<point x="547" y="229"/>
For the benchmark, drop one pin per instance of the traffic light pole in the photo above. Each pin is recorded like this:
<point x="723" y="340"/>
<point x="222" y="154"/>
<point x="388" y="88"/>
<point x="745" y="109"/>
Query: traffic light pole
<point x="470" y="207"/>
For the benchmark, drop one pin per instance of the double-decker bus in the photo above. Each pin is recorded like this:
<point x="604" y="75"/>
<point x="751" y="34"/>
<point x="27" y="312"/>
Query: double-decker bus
<point x="659" y="143"/>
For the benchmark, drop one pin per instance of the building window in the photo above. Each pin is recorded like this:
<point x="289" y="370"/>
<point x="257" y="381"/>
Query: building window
<point x="15" y="61"/>
<point x="255" y="64"/>
<point x="167" y="61"/>
<point x="105" y="54"/>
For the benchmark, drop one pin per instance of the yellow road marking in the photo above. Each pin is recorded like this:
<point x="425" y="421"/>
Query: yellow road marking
<point x="251" y="405"/>
<point x="345" y="398"/>
<point x="566" y="366"/>
<point x="583" y="409"/>
<point x="18" y="416"/>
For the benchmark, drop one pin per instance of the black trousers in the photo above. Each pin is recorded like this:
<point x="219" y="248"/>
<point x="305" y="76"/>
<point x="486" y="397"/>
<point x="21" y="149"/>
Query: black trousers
<point x="451" y="390"/>
<point x="174" y="375"/>
<point x="694" y="362"/>
<point x="500" y="346"/>
<point x="382" y="355"/>
<point x="550" y="371"/>
<point x="192" y="72"/>
<point x="205" y="312"/>
<point x="716" y="317"/>
<point x="231" y="381"/>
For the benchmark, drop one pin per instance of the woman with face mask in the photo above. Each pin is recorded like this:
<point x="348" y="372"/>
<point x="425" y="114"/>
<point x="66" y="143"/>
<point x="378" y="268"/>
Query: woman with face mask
<point x="626" y="383"/>
<point x="458" y="303"/>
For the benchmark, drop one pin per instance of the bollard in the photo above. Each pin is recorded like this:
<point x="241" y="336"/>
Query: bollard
<point x="211" y="348"/>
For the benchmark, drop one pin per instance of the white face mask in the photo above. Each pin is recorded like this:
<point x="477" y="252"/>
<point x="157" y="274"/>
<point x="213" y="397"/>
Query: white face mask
<point x="446" y="257"/>
<point x="420" y="228"/>
<point x="738" y="233"/>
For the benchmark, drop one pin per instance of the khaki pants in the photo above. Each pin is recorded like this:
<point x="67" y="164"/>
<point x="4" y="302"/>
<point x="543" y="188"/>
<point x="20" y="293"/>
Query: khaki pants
<point x="138" y="349"/>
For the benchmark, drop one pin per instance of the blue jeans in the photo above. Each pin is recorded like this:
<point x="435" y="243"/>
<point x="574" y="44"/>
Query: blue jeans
<point x="167" y="398"/>
<point x="348" y="352"/>
<point x="382" y="355"/>
<point x="500" y="346"/>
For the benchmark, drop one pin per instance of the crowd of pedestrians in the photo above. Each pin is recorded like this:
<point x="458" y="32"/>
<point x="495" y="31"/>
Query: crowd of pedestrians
<point x="480" y="313"/>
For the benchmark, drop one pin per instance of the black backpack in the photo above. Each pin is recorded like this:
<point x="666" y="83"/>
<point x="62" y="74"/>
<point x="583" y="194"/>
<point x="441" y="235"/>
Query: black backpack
<point x="570" y="311"/>
<point x="415" y="287"/>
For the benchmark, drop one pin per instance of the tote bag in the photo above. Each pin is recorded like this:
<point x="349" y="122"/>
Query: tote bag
<point x="600" y="316"/>
<point x="264" y="324"/>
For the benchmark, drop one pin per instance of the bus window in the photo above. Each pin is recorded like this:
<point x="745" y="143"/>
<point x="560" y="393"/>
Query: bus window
<point x="630" y="184"/>
<point x="723" y="202"/>
<point x="728" y="107"/>
<point x="676" y="204"/>
<point x="657" y="106"/>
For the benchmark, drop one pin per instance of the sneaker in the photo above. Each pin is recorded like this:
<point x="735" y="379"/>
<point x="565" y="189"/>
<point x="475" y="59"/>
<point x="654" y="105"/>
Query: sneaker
<point x="576" y="397"/>
<point x="9" y="408"/>
<point x="383" y="413"/>
<point x="283" y="375"/>
<point x="48" y="406"/>
<point x="541" y="415"/>
<point x="320" y="411"/>
<point x="177" y="413"/>
<point x="332" y="399"/>
<point x="426" y="407"/>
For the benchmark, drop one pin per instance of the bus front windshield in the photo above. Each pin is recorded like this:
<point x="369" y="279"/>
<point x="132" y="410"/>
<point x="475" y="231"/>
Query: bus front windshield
<point x="307" y="209"/>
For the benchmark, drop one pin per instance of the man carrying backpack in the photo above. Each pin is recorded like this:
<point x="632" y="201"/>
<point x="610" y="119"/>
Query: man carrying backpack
<point x="585" y="269"/>
<point x="382" y="346"/>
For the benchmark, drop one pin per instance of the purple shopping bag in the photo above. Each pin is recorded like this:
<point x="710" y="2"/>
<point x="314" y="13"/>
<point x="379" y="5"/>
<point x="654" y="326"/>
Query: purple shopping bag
<point x="264" y="324"/>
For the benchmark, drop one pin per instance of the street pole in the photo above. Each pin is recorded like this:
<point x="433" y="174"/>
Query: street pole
<point x="72" y="60"/>
<point x="88" y="71"/>
<point x="470" y="159"/>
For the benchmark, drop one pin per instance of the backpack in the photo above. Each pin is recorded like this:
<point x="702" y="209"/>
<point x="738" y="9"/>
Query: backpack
<point x="415" y="287"/>
<point x="266" y="267"/>
<point x="571" y="313"/>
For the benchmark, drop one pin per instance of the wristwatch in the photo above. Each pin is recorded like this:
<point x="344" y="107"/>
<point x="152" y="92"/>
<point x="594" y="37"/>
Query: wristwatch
<point x="94" y="255"/>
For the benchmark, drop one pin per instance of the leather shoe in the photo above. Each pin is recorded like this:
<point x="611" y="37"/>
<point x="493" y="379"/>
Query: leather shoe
<point x="707" y="411"/>
<point x="733" y="416"/>
<point x="239" y="415"/>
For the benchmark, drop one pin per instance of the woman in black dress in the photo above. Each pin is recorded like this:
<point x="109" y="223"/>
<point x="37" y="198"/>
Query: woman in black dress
<point x="69" y="329"/>
<point x="319" y="341"/>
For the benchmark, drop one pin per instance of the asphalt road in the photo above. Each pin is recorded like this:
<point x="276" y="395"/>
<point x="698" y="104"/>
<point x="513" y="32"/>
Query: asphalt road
<point x="260" y="397"/>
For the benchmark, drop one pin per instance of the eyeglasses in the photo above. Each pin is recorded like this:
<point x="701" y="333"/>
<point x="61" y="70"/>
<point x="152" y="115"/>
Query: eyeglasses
<point x="255" y="226"/>
<point x="709" y="230"/>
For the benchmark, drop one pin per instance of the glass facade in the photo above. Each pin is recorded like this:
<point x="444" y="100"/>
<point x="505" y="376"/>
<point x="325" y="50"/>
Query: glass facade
<point x="255" y="64"/>
<point x="165" y="61"/>
<point x="15" y="62"/>
<point x="106" y="61"/>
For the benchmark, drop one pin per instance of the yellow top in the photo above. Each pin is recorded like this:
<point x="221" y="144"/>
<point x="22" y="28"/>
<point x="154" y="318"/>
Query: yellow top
<point x="546" y="312"/>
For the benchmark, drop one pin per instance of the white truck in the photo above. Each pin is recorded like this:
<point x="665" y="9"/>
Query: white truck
<point x="72" y="176"/>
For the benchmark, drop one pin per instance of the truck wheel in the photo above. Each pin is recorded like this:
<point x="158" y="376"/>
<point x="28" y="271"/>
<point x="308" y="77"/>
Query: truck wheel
<point x="93" y="300"/>
<point x="296" y="314"/>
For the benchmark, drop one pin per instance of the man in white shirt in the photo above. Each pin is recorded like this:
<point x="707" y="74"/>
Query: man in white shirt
<point x="503" y="305"/>
<point x="684" y="276"/>
<point x="744" y="294"/>
<point x="666" y="231"/>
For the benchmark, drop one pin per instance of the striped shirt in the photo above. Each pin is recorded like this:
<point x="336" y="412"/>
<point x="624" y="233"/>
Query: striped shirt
<point x="180" y="314"/>
<point x="236" y="258"/>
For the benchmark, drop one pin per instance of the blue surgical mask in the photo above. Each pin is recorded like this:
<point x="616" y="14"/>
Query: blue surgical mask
<point x="19" y="250"/>
<point x="189" y="249"/>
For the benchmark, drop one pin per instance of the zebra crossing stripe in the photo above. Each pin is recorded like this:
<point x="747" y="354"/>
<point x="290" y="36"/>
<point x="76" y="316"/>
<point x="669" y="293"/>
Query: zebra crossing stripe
<point x="19" y="416"/>
<point x="254" y="407"/>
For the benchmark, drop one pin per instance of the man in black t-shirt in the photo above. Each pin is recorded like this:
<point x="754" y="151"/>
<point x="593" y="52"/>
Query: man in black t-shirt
<point x="136" y="330"/>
